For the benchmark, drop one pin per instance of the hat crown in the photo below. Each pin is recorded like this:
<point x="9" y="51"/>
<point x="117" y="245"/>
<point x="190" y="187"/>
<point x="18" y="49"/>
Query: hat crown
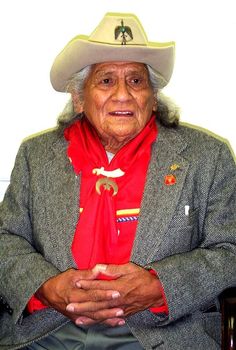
<point x="119" y="29"/>
<point x="118" y="37"/>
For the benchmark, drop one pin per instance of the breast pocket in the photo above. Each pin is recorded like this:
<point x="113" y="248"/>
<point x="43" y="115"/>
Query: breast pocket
<point x="193" y="222"/>
<point x="183" y="230"/>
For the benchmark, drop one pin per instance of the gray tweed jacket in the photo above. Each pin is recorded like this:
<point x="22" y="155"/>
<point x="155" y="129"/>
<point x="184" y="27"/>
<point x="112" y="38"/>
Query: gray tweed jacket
<point x="193" y="251"/>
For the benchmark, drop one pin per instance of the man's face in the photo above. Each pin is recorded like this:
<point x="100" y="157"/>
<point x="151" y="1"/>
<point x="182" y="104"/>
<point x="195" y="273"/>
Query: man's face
<point x="118" y="100"/>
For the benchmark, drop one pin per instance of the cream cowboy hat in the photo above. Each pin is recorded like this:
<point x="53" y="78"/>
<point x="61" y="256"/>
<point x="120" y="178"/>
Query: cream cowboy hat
<point x="118" y="37"/>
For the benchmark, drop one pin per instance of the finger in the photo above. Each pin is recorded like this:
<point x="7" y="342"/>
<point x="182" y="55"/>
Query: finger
<point x="115" y="271"/>
<point x="97" y="285"/>
<point x="90" y="306"/>
<point x="82" y="295"/>
<point x="100" y="268"/>
<point x="108" y="270"/>
<point x="86" y="321"/>
<point x="109" y="316"/>
<point x="112" y="322"/>
<point x="84" y="274"/>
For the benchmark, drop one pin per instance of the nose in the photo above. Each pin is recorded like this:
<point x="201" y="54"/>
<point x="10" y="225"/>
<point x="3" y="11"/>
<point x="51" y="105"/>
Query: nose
<point x="121" y="92"/>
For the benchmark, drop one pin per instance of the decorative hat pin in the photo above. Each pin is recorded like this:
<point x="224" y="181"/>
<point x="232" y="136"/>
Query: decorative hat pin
<point x="123" y="33"/>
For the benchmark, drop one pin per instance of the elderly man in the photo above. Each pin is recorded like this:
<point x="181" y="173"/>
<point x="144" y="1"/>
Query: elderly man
<point x="115" y="231"/>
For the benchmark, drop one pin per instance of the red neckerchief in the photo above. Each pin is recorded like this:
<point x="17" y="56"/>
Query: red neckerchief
<point x="96" y="239"/>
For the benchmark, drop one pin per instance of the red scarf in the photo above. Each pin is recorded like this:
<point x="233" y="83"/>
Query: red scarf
<point x="96" y="238"/>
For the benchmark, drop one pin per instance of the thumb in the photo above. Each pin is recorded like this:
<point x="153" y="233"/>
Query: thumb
<point x="113" y="271"/>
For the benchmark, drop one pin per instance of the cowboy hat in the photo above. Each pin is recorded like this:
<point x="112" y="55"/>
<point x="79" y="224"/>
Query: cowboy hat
<point x="118" y="37"/>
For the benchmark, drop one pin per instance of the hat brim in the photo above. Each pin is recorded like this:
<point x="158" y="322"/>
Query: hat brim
<point x="81" y="52"/>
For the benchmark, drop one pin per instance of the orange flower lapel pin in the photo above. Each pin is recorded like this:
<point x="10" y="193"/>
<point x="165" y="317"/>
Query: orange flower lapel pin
<point x="170" y="180"/>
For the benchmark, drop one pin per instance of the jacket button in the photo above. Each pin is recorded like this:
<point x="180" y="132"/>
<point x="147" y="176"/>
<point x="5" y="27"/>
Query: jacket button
<point x="10" y="311"/>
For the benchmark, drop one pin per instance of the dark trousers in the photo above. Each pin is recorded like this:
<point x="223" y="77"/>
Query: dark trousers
<point x="98" y="337"/>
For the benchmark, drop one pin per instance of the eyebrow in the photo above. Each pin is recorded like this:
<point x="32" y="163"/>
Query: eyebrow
<point x="133" y="71"/>
<point x="102" y="72"/>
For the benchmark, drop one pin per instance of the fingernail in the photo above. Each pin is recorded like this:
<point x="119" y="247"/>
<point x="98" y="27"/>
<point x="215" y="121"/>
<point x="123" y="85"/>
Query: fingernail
<point x="79" y="322"/>
<point x="121" y="323"/>
<point x="70" y="308"/>
<point x="100" y="268"/>
<point x="120" y="313"/>
<point x="78" y="285"/>
<point x="115" y="295"/>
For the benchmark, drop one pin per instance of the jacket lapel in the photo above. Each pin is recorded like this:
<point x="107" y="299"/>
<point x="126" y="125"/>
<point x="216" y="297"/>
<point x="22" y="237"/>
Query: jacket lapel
<point x="62" y="203"/>
<point x="160" y="199"/>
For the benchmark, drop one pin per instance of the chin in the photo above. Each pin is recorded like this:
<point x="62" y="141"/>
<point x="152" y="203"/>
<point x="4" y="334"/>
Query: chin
<point x="124" y="129"/>
<point x="124" y="137"/>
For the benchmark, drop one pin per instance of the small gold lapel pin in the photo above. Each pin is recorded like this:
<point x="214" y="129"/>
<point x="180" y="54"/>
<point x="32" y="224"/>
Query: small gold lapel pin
<point x="174" y="167"/>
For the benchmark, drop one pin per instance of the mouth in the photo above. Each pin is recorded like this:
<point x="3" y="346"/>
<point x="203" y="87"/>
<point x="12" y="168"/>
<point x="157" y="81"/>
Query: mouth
<point x="121" y="113"/>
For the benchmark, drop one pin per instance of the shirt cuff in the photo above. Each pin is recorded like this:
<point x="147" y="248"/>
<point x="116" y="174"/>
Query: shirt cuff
<point x="163" y="308"/>
<point x="34" y="304"/>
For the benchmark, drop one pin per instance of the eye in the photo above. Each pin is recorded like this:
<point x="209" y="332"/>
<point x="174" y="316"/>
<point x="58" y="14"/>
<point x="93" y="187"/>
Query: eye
<point x="106" y="81"/>
<point x="136" y="81"/>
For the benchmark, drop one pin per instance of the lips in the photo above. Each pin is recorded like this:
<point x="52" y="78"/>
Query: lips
<point x="121" y="113"/>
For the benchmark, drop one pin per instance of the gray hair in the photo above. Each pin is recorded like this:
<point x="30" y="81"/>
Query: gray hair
<point x="77" y="81"/>
<point x="167" y="112"/>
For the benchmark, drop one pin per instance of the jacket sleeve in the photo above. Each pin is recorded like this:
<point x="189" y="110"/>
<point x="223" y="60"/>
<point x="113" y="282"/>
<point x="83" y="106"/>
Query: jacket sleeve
<point x="193" y="280"/>
<point x="22" y="269"/>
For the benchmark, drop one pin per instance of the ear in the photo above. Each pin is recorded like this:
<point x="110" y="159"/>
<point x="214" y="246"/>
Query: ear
<point x="154" y="108"/>
<point x="78" y="104"/>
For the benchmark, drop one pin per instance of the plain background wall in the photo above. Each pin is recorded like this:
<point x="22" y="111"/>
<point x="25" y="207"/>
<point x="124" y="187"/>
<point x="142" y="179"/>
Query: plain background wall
<point x="33" y="32"/>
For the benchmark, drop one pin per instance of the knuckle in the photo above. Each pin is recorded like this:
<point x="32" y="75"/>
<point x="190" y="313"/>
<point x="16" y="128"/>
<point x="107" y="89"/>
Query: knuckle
<point x="97" y="295"/>
<point x="94" y="295"/>
<point x="93" y="315"/>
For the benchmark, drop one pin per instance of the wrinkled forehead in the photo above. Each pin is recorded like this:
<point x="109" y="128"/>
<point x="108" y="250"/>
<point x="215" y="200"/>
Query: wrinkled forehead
<point x="119" y="66"/>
